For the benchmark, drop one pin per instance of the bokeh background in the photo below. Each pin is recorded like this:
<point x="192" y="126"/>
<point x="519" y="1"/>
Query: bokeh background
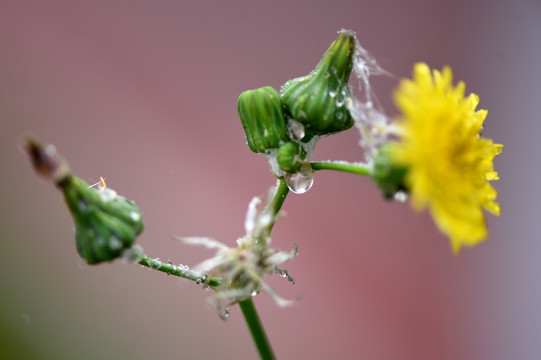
<point x="144" y="94"/>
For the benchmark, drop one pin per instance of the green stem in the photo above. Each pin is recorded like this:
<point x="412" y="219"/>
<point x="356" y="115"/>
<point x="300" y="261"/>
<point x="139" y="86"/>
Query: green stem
<point x="180" y="271"/>
<point x="256" y="329"/>
<point x="353" y="168"/>
<point x="247" y="306"/>
<point x="278" y="199"/>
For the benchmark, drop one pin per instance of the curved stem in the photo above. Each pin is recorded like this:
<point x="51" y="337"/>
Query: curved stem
<point x="256" y="329"/>
<point x="353" y="168"/>
<point x="180" y="271"/>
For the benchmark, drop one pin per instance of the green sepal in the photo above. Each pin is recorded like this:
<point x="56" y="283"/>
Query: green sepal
<point x="290" y="157"/>
<point x="388" y="176"/>
<point x="318" y="100"/>
<point x="260" y="113"/>
<point x="105" y="223"/>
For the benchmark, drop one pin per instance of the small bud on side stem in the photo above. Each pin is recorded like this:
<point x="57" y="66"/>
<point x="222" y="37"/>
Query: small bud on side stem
<point x="105" y="224"/>
<point x="290" y="157"/>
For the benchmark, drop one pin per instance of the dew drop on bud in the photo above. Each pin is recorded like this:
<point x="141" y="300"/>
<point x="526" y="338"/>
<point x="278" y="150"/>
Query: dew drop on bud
<point x="302" y="181"/>
<point x="400" y="196"/>
<point x="225" y="313"/>
<point x="296" y="129"/>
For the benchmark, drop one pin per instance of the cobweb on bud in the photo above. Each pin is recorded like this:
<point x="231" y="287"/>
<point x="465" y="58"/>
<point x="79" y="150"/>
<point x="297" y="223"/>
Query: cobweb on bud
<point x="374" y="126"/>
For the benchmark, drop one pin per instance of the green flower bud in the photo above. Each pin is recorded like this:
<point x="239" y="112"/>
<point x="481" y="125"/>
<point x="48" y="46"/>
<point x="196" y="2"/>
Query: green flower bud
<point x="105" y="224"/>
<point x="260" y="113"/>
<point x="290" y="157"/>
<point x="389" y="177"/>
<point x="318" y="100"/>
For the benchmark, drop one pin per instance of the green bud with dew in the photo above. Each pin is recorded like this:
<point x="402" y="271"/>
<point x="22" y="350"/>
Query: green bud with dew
<point x="318" y="100"/>
<point x="260" y="113"/>
<point x="106" y="224"/>
<point x="290" y="157"/>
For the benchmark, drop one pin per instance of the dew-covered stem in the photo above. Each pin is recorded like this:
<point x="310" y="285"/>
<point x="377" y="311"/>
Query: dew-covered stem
<point x="256" y="329"/>
<point x="353" y="168"/>
<point x="180" y="271"/>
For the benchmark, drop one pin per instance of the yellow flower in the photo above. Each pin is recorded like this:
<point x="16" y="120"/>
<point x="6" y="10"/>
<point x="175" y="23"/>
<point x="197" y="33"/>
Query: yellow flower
<point x="449" y="164"/>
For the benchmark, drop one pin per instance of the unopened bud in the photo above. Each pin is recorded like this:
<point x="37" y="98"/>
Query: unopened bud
<point x="106" y="224"/>
<point x="260" y="113"/>
<point x="318" y="100"/>
<point x="290" y="157"/>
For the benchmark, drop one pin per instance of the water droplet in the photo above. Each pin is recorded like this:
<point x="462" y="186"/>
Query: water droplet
<point x="155" y="264"/>
<point x="224" y="313"/>
<point x="339" y="102"/>
<point x="135" y="216"/>
<point x="133" y="254"/>
<point x="332" y="94"/>
<point x="339" y="115"/>
<point x="296" y="129"/>
<point x="107" y="194"/>
<point x="400" y="196"/>
<point x="265" y="220"/>
<point x="198" y="281"/>
<point x="115" y="243"/>
<point x="302" y="181"/>
<point x="83" y="207"/>
<point x="100" y="241"/>
<point x="50" y="150"/>
<point x="254" y="293"/>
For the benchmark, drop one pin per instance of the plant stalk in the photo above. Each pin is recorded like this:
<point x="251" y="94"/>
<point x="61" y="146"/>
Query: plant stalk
<point x="256" y="329"/>
<point x="353" y="168"/>
<point x="179" y="271"/>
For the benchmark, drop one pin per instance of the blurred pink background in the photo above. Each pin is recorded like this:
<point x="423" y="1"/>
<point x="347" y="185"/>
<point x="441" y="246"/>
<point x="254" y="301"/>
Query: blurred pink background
<point x="144" y="94"/>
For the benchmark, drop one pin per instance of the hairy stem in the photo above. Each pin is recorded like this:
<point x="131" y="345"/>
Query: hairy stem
<point x="180" y="271"/>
